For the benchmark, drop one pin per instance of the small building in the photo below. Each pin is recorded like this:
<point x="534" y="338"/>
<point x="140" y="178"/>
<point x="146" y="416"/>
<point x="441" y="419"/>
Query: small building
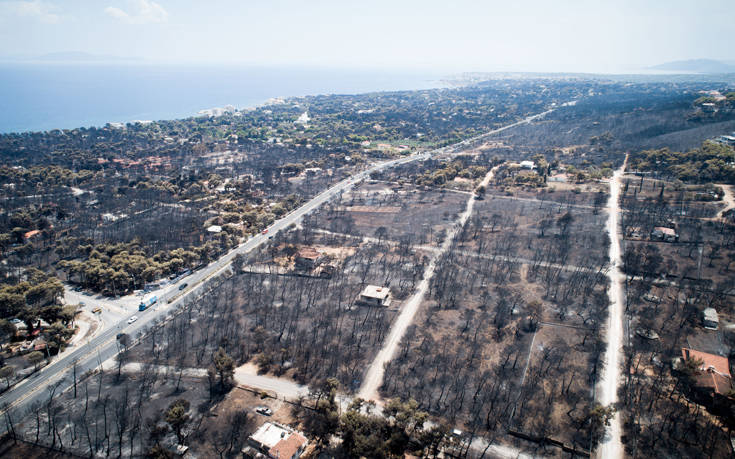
<point x="662" y="233"/>
<point x="327" y="271"/>
<point x="709" y="107"/>
<point x="373" y="295"/>
<point x="710" y="319"/>
<point x="308" y="258"/>
<point x="275" y="441"/>
<point x="726" y="139"/>
<point x="31" y="234"/>
<point x="527" y="165"/>
<point x="214" y="229"/>
<point x="714" y="371"/>
<point x="634" y="232"/>
<point x="561" y="178"/>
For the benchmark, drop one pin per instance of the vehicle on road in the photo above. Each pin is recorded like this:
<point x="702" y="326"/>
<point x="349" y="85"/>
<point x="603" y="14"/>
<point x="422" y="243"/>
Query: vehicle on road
<point x="147" y="303"/>
<point x="265" y="231"/>
<point x="132" y="319"/>
<point x="97" y="310"/>
<point x="264" y="410"/>
<point x="183" y="286"/>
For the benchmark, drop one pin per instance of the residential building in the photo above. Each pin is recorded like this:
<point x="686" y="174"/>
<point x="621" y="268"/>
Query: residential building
<point x="710" y="319"/>
<point x="31" y="234"/>
<point x="308" y="258"/>
<point x="662" y="233"/>
<point x="275" y="441"/>
<point x="373" y="295"/>
<point x="714" y="371"/>
<point x="528" y="165"/>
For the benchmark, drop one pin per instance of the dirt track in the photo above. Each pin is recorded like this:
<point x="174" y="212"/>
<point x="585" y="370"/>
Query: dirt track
<point x="611" y="446"/>
<point x="374" y="375"/>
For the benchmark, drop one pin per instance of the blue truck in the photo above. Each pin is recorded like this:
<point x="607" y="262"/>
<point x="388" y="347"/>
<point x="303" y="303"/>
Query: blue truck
<point x="147" y="303"/>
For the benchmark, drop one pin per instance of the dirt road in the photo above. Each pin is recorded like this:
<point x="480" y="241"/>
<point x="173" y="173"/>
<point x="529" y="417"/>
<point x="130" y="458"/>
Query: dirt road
<point x="374" y="375"/>
<point x="729" y="199"/>
<point x="611" y="446"/>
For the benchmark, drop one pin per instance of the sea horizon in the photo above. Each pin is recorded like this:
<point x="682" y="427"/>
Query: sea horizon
<point x="42" y="96"/>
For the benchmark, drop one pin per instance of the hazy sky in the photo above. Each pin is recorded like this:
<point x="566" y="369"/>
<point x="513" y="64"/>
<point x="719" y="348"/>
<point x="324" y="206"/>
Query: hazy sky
<point x="446" y="35"/>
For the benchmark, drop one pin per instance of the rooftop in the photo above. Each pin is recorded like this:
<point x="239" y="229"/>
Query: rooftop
<point x="288" y="446"/>
<point x="270" y="434"/>
<point x="711" y="314"/>
<point x="664" y="230"/>
<point x="373" y="291"/>
<point x="30" y="234"/>
<point x="308" y="252"/>
<point x="279" y="440"/>
<point x="712" y="362"/>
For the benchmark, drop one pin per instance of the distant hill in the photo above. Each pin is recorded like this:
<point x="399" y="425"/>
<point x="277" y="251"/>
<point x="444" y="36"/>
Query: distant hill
<point x="78" y="56"/>
<point x="697" y="66"/>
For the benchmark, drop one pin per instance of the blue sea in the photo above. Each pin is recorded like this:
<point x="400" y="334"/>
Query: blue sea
<point x="38" y="97"/>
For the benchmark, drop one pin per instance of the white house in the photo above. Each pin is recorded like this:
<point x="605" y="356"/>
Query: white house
<point x="275" y="441"/>
<point x="373" y="295"/>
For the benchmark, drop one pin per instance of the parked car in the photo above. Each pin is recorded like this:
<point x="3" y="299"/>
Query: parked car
<point x="264" y="410"/>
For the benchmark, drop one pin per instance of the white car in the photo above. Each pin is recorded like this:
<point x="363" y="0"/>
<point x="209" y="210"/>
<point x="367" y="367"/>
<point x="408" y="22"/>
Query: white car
<point x="132" y="319"/>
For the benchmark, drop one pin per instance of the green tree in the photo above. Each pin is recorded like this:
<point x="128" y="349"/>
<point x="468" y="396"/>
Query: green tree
<point x="225" y="367"/>
<point x="177" y="415"/>
<point x="598" y="418"/>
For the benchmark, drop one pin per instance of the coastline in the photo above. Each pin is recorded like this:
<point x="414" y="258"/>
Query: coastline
<point x="38" y="97"/>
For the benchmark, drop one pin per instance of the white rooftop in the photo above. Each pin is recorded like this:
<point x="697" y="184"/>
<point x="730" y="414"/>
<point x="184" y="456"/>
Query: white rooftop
<point x="215" y="229"/>
<point x="711" y="314"/>
<point x="270" y="434"/>
<point x="373" y="291"/>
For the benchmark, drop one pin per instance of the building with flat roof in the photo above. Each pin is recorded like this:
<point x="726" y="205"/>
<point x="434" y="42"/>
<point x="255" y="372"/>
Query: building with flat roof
<point x="664" y="234"/>
<point x="275" y="441"/>
<point x="710" y="318"/>
<point x="528" y="165"/>
<point x="373" y="295"/>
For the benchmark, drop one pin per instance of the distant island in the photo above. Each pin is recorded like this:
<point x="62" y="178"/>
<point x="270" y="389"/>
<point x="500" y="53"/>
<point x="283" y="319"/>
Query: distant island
<point x="697" y="66"/>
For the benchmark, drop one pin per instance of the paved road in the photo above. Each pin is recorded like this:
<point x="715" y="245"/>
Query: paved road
<point x="104" y="345"/>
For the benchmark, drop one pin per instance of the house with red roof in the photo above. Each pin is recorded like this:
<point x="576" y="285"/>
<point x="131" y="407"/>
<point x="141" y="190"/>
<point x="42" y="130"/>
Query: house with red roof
<point x="714" y="371"/>
<point x="31" y="234"/>
<point x="275" y="441"/>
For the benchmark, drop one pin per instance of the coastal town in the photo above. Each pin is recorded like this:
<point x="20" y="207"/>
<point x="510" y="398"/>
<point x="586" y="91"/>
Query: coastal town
<point x="439" y="273"/>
